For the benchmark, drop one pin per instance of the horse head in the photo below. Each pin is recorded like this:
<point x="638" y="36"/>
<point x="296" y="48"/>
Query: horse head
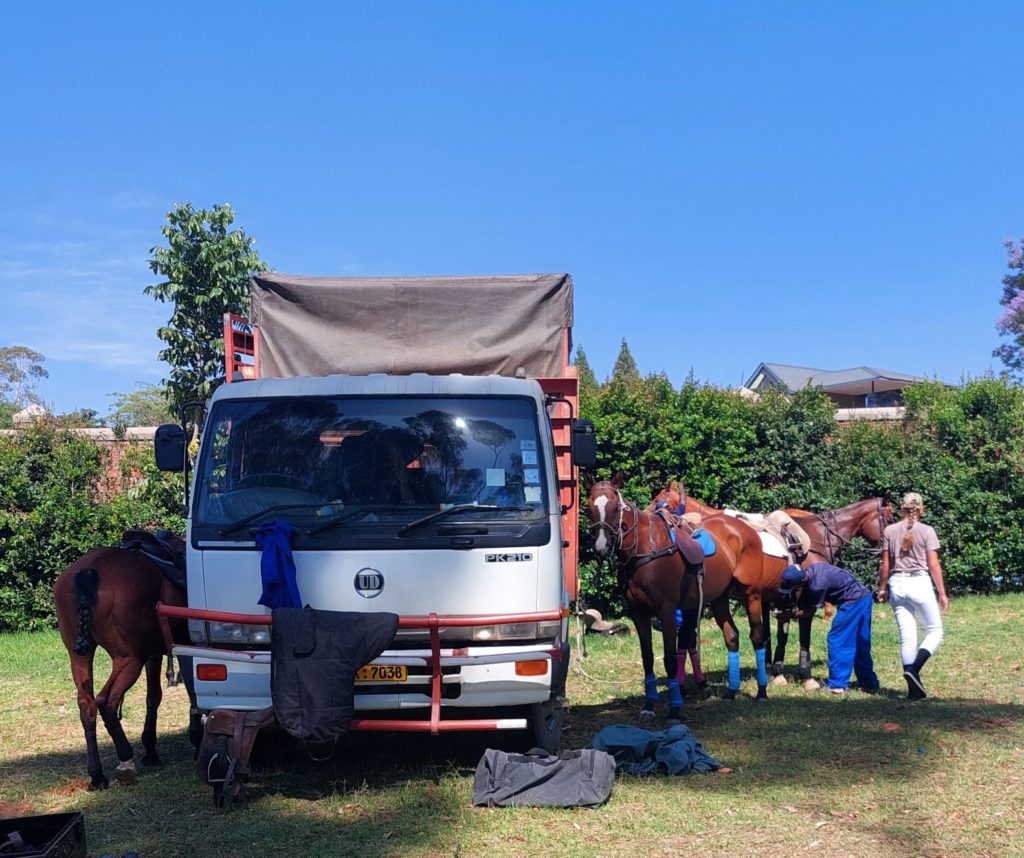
<point x="877" y="516"/>
<point x="671" y="498"/>
<point x="606" y="505"/>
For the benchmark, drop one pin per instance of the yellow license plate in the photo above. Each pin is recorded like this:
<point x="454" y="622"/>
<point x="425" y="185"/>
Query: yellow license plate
<point x="382" y="673"/>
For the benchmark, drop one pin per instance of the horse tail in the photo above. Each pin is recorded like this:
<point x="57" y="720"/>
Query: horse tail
<point x="86" y="588"/>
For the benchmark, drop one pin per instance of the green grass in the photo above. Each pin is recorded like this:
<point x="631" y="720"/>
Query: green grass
<point x="872" y="776"/>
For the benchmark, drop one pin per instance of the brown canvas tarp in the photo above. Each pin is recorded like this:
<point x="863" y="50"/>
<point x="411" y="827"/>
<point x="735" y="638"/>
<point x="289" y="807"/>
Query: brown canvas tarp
<point x="398" y="325"/>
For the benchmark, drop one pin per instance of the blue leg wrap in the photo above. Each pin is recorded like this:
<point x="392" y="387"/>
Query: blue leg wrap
<point x="762" y="674"/>
<point x="734" y="671"/>
<point x="651" y="688"/>
<point x="675" y="694"/>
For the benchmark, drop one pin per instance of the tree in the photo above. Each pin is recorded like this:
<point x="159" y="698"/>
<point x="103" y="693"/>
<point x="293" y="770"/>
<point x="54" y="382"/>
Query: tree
<point x="21" y="368"/>
<point x="625" y="369"/>
<point x="1011" y="322"/>
<point x="207" y="269"/>
<point x="144" y="406"/>
<point x="589" y="388"/>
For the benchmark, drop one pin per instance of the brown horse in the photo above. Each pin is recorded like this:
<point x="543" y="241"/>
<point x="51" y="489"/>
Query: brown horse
<point x="829" y="533"/>
<point x="108" y="598"/>
<point x="656" y="582"/>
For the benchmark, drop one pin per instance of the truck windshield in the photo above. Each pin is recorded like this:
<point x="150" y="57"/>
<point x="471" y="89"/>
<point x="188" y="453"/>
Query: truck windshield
<point x="368" y="461"/>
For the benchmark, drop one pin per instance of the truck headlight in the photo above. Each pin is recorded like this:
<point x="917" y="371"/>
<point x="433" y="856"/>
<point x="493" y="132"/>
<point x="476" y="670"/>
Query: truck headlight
<point x="546" y="630"/>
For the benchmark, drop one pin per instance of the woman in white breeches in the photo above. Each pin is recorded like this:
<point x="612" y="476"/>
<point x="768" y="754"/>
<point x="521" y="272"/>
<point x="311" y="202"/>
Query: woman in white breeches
<point x="913" y="602"/>
<point x="910" y="577"/>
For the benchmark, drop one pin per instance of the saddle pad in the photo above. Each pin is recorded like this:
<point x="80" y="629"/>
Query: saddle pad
<point x="772" y="545"/>
<point x="706" y="542"/>
<point x="754" y="519"/>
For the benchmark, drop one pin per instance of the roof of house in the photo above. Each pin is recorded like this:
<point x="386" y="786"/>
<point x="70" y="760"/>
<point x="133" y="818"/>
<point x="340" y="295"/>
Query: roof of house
<point x="856" y="381"/>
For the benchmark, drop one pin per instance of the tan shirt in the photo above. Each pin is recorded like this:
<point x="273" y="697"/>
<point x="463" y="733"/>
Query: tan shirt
<point x="915" y="559"/>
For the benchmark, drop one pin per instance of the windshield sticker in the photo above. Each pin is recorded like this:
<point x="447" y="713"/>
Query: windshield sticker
<point x="527" y="445"/>
<point x="496" y="476"/>
<point x="531" y="476"/>
<point x="532" y="494"/>
<point x="529" y="457"/>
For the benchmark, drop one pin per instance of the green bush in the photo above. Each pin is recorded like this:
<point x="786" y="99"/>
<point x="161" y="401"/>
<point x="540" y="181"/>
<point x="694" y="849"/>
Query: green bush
<point x="51" y="512"/>
<point x="962" y="448"/>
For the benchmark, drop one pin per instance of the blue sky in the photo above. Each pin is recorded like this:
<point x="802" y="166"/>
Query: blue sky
<point x="811" y="183"/>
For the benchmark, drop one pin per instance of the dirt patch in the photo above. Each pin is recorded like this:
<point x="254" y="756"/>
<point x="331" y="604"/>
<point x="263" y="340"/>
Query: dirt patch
<point x="11" y="809"/>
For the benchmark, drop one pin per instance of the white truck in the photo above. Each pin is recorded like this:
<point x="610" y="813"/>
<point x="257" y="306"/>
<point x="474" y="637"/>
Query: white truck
<point x="419" y="434"/>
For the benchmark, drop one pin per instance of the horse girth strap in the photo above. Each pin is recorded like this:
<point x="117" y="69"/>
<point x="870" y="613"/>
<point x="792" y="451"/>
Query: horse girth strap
<point x="639" y="560"/>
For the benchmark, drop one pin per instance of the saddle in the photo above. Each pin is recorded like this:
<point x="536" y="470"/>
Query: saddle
<point x="681" y="530"/>
<point x="224" y="753"/>
<point x="158" y="548"/>
<point x="780" y="535"/>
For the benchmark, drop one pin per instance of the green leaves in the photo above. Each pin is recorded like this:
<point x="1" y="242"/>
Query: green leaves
<point x="207" y="269"/>
<point x="963" y="448"/>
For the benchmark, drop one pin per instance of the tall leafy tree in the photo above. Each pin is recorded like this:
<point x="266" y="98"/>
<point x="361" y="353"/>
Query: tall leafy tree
<point x="589" y="388"/>
<point x="144" y="406"/>
<point x="1011" y="322"/>
<point x="206" y="269"/>
<point x="21" y="368"/>
<point x="625" y="369"/>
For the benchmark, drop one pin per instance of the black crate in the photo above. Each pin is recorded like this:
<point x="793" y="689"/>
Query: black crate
<point x="55" y="835"/>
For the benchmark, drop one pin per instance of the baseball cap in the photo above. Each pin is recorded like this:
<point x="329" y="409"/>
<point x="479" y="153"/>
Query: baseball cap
<point x="791" y="578"/>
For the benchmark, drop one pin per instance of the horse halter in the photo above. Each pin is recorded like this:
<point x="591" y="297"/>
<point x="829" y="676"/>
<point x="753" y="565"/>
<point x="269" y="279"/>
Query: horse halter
<point x="618" y="532"/>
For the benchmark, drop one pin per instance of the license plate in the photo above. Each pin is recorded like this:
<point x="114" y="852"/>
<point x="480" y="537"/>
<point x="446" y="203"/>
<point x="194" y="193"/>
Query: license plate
<point x="382" y="673"/>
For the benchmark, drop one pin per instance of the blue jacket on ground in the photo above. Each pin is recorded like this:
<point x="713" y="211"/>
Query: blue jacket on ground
<point x="642" y="752"/>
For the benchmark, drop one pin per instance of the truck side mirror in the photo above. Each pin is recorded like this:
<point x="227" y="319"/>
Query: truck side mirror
<point x="169" y="447"/>
<point x="584" y="444"/>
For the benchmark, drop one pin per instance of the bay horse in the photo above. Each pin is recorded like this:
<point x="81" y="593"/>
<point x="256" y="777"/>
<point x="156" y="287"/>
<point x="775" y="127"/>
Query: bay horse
<point x="108" y="598"/>
<point x="655" y="582"/>
<point x="829" y="532"/>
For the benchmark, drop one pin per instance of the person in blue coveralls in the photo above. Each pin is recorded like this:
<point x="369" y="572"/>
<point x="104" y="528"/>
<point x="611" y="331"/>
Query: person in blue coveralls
<point x="849" y="639"/>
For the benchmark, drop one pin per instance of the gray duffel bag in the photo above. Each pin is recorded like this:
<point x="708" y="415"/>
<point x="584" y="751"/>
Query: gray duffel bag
<point x="538" y="779"/>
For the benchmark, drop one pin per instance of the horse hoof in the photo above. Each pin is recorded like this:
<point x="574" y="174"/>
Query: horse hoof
<point x="777" y="668"/>
<point x="126" y="775"/>
<point x="811" y="685"/>
<point x="729" y="694"/>
<point x="761" y="698"/>
<point x="673" y="716"/>
<point x="646" y="714"/>
<point x="780" y="680"/>
<point x="151" y="760"/>
<point x="98" y="782"/>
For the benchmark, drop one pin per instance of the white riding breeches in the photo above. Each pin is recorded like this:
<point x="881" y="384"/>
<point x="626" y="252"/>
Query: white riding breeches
<point x="913" y="601"/>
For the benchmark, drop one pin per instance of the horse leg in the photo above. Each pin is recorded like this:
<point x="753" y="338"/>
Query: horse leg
<point x="687" y="645"/>
<point x="108" y="701"/>
<point x="154" y="694"/>
<point x="173" y="677"/>
<point x="642" y="622"/>
<point x="669" y="634"/>
<point x="755" y="616"/>
<point x="782" y="638"/>
<point x="81" y="675"/>
<point x="804" y="670"/>
<point x="723" y="616"/>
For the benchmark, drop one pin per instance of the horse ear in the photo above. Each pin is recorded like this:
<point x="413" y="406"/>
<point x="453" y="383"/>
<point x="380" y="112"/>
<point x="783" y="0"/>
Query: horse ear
<point x="618" y="479"/>
<point x="588" y="481"/>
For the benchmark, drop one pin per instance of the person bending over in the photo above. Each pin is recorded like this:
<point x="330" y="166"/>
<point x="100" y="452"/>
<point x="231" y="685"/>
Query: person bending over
<point x="849" y="639"/>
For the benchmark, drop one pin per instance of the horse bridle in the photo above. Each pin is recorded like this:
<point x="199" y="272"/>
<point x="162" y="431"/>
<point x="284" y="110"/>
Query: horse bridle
<point x="833" y="531"/>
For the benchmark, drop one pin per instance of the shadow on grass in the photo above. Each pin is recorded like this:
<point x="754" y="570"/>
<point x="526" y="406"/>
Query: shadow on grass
<point x="382" y="795"/>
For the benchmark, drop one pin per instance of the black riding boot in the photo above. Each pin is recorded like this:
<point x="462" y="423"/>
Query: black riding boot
<point x="912" y="673"/>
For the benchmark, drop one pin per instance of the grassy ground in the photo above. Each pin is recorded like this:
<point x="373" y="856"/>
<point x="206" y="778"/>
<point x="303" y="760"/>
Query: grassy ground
<point x="872" y="776"/>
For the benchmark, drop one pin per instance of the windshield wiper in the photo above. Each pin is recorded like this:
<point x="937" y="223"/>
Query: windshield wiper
<point x="242" y="522"/>
<point x="351" y="514"/>
<point x="459" y="507"/>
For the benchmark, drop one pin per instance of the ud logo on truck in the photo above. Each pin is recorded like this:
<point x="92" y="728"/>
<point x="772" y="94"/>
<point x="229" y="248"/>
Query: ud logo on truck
<point x="369" y="583"/>
<point x="521" y="557"/>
